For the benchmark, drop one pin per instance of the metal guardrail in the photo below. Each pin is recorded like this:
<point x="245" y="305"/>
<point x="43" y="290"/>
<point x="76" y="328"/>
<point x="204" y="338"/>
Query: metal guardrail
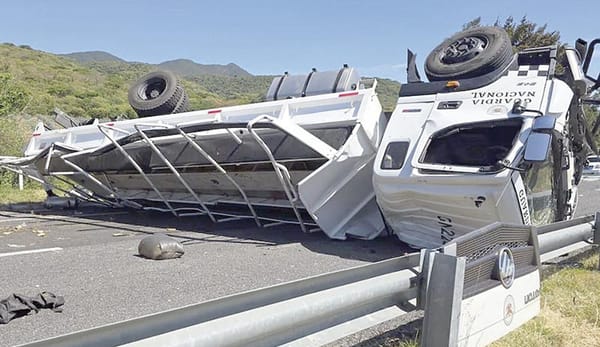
<point x="288" y="311"/>
<point x="563" y="237"/>
<point x="325" y="308"/>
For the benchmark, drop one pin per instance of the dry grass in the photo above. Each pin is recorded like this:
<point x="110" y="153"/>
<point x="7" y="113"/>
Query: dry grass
<point x="9" y="195"/>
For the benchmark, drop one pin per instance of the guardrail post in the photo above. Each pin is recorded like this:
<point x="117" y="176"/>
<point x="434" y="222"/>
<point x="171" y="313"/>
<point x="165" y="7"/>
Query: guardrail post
<point x="597" y="229"/>
<point x="597" y="234"/>
<point x="425" y="263"/>
<point x="444" y="294"/>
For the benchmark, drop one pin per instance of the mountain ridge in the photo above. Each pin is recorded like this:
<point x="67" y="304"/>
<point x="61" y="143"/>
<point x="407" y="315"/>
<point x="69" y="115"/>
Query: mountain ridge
<point x="92" y="56"/>
<point x="182" y="66"/>
<point x="36" y="82"/>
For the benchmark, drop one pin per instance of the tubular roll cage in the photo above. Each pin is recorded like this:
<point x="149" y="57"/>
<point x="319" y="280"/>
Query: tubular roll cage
<point x="113" y="198"/>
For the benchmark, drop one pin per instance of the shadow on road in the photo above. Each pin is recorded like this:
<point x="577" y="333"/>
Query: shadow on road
<point x="200" y="229"/>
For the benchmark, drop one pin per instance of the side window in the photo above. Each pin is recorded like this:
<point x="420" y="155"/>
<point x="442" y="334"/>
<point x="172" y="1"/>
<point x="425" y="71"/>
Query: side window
<point x="539" y="183"/>
<point x="394" y="156"/>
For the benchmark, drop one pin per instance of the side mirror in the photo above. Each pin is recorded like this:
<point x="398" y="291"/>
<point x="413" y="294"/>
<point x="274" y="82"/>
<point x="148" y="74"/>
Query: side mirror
<point x="412" y="73"/>
<point x="592" y="72"/>
<point x="544" y="124"/>
<point x="538" y="146"/>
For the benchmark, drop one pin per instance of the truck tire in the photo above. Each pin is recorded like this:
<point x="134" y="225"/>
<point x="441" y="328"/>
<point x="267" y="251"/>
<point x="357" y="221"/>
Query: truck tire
<point x="157" y="93"/>
<point x="470" y="53"/>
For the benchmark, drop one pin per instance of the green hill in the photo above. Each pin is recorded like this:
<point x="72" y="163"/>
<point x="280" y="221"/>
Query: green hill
<point x="36" y="82"/>
<point x="92" y="56"/>
<point x="188" y="68"/>
<point x="98" y="89"/>
<point x="48" y="81"/>
<point x="182" y="67"/>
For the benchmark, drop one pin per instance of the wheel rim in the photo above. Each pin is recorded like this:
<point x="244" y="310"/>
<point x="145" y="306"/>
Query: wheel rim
<point x="464" y="49"/>
<point x="153" y="89"/>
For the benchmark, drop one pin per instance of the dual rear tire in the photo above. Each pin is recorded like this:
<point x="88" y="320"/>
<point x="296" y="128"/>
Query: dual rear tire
<point x="157" y="93"/>
<point x="470" y="53"/>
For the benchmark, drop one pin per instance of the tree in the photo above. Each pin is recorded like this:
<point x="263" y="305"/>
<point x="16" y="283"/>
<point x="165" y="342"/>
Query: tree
<point x="13" y="98"/>
<point x="524" y="33"/>
<point x="472" y="24"/>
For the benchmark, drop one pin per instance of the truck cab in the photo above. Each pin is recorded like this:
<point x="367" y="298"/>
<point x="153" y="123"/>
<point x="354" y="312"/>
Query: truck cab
<point x="459" y="154"/>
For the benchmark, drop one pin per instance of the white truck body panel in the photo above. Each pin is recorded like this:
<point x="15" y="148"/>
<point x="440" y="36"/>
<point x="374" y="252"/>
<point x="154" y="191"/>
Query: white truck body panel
<point x="428" y="204"/>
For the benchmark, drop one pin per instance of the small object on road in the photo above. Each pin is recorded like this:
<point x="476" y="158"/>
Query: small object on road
<point x="39" y="233"/>
<point x="160" y="246"/>
<point x="120" y="234"/>
<point x="12" y="245"/>
<point x="17" y="305"/>
<point x="61" y="202"/>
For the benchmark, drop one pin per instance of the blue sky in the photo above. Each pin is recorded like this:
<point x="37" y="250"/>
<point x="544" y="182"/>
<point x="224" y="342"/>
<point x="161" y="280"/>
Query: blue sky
<point x="270" y="37"/>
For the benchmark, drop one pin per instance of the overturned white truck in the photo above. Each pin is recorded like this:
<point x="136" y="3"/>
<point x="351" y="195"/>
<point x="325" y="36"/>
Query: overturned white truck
<point x="496" y="136"/>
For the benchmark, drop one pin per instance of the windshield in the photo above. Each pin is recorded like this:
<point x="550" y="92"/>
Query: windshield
<point x="476" y="144"/>
<point x="539" y="180"/>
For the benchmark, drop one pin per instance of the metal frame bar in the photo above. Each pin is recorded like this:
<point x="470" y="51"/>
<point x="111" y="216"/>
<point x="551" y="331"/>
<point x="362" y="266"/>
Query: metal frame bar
<point x="42" y="181"/>
<point x="57" y="175"/>
<point x="274" y="221"/>
<point x="172" y="168"/>
<point x="86" y="174"/>
<point x="136" y="166"/>
<point x="81" y="193"/>
<point x="279" y="169"/>
<point x="219" y="168"/>
<point x="85" y="195"/>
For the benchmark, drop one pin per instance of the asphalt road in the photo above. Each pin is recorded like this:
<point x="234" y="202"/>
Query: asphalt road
<point x="97" y="270"/>
<point x="90" y="257"/>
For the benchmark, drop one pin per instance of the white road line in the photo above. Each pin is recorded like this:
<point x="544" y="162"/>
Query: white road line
<point x="16" y="219"/>
<point x="31" y="251"/>
<point x="100" y="214"/>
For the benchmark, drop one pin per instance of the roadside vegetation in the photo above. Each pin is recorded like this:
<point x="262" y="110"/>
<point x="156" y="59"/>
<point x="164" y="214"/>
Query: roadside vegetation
<point x="31" y="194"/>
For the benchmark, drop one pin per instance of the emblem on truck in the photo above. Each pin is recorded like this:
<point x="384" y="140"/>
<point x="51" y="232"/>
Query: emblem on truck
<point x="505" y="267"/>
<point x="508" y="310"/>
